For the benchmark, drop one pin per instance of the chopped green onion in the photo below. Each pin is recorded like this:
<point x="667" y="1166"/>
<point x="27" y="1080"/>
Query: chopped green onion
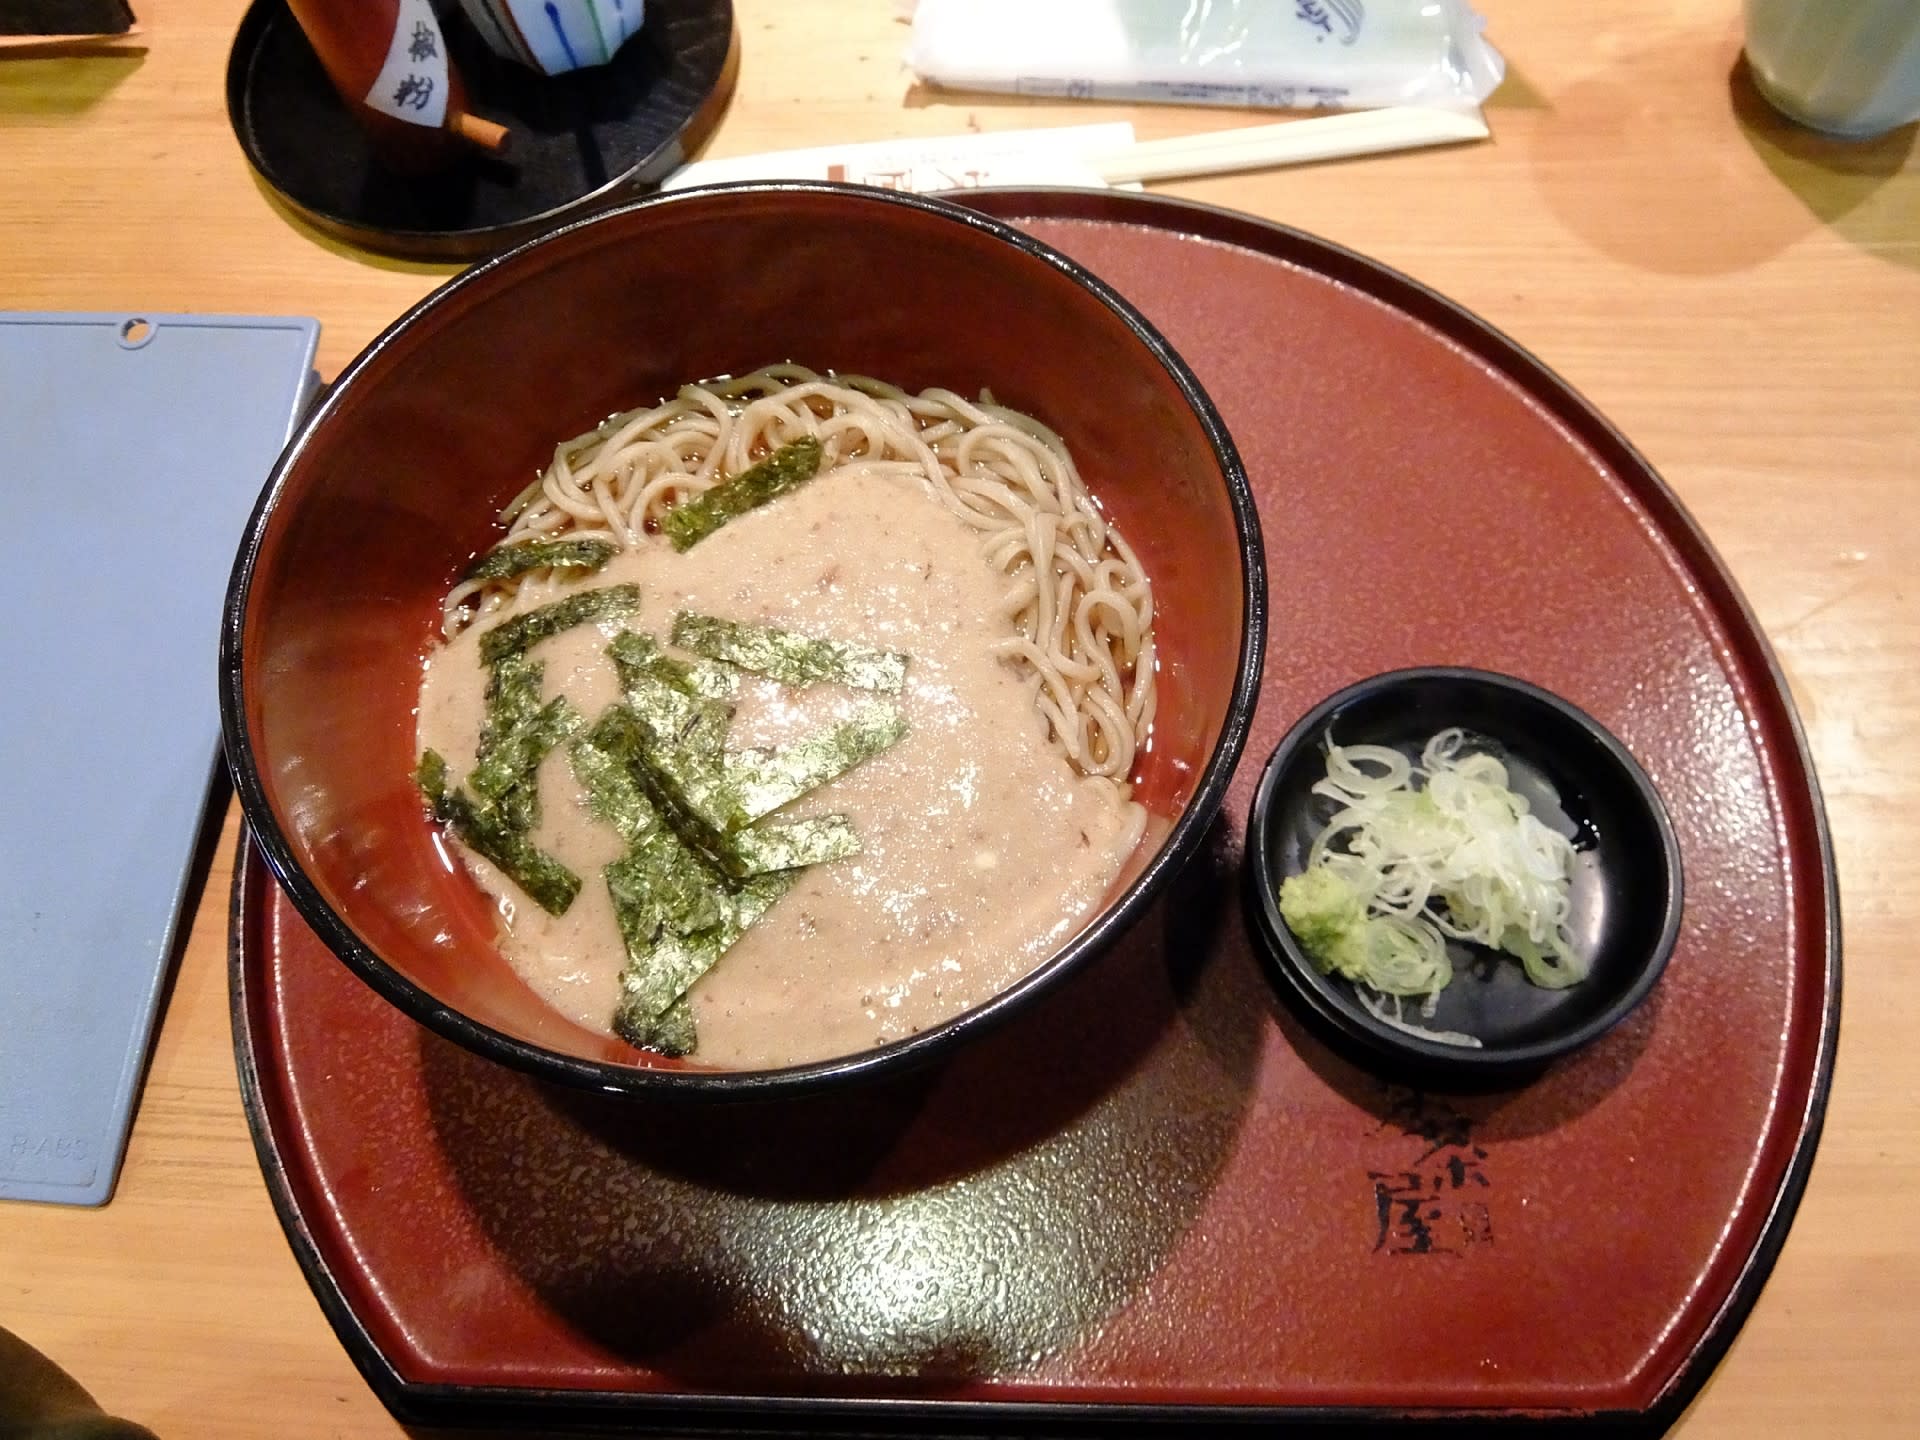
<point x="1398" y="871"/>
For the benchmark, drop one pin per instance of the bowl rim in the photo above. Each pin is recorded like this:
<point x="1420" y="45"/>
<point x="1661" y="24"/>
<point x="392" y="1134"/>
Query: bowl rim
<point x="611" y="1077"/>
<point x="1319" y="992"/>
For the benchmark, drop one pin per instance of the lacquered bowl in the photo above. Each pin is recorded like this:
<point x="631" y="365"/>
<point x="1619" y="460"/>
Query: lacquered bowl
<point x="391" y="486"/>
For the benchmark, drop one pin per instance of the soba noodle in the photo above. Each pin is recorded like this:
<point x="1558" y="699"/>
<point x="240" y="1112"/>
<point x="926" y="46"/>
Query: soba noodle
<point x="1080" y="603"/>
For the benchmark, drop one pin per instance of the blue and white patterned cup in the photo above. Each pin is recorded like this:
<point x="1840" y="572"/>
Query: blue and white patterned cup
<point x="554" y="36"/>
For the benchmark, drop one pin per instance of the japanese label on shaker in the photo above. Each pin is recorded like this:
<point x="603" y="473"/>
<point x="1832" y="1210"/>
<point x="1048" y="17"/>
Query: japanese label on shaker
<point x="412" y="84"/>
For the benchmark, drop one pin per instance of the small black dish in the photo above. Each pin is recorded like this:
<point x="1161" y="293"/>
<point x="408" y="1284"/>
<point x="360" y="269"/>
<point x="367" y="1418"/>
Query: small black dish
<point x="1626" y="892"/>
<point x="580" y="142"/>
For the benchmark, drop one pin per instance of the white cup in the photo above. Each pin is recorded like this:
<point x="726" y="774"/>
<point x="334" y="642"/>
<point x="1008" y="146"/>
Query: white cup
<point x="1848" y="67"/>
<point x="554" y="36"/>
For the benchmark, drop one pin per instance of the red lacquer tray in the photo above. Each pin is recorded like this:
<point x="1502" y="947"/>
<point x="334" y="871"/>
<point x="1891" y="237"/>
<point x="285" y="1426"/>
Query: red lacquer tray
<point x="1158" y="1199"/>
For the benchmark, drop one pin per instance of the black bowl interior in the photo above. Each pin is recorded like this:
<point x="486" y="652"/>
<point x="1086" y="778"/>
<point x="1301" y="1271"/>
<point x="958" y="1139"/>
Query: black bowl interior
<point x="1626" y="892"/>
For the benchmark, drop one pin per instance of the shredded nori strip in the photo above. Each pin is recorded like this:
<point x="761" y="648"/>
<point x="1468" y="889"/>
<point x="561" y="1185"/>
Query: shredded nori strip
<point x="691" y="521"/>
<point x="482" y="829"/>
<point x="548" y="883"/>
<point x="678" y="714"/>
<point x="698" y="872"/>
<point x="764" y="780"/>
<point x="788" y="656"/>
<point x="512" y="698"/>
<point x="671" y="1032"/>
<point x="673" y="764"/>
<point x="661" y="897"/>
<point x="431" y="776"/>
<point x="661" y="975"/>
<point x="690" y="788"/>
<point x="503" y="562"/>
<point x="711" y="805"/>
<point x="636" y="655"/>
<point x="793" y="844"/>
<point x="680" y="881"/>
<point x="677" y="913"/>
<point x="685" y="891"/>
<point x="524" y="631"/>
<point x="504" y="773"/>
<point x="504" y="756"/>
<point x="601" y="766"/>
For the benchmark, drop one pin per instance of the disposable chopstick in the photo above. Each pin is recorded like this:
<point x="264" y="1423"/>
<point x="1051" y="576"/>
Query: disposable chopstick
<point x="1289" y="142"/>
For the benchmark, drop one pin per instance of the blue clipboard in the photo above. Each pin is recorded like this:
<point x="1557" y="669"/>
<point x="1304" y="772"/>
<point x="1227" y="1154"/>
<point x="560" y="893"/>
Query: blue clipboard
<point x="132" y="449"/>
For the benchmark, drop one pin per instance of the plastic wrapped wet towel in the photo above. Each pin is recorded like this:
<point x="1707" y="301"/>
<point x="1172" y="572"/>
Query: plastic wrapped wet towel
<point x="1285" y="54"/>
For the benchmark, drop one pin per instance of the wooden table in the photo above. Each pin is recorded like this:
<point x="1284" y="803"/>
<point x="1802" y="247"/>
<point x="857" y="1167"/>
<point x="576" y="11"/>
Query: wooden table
<point x="1741" y="297"/>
